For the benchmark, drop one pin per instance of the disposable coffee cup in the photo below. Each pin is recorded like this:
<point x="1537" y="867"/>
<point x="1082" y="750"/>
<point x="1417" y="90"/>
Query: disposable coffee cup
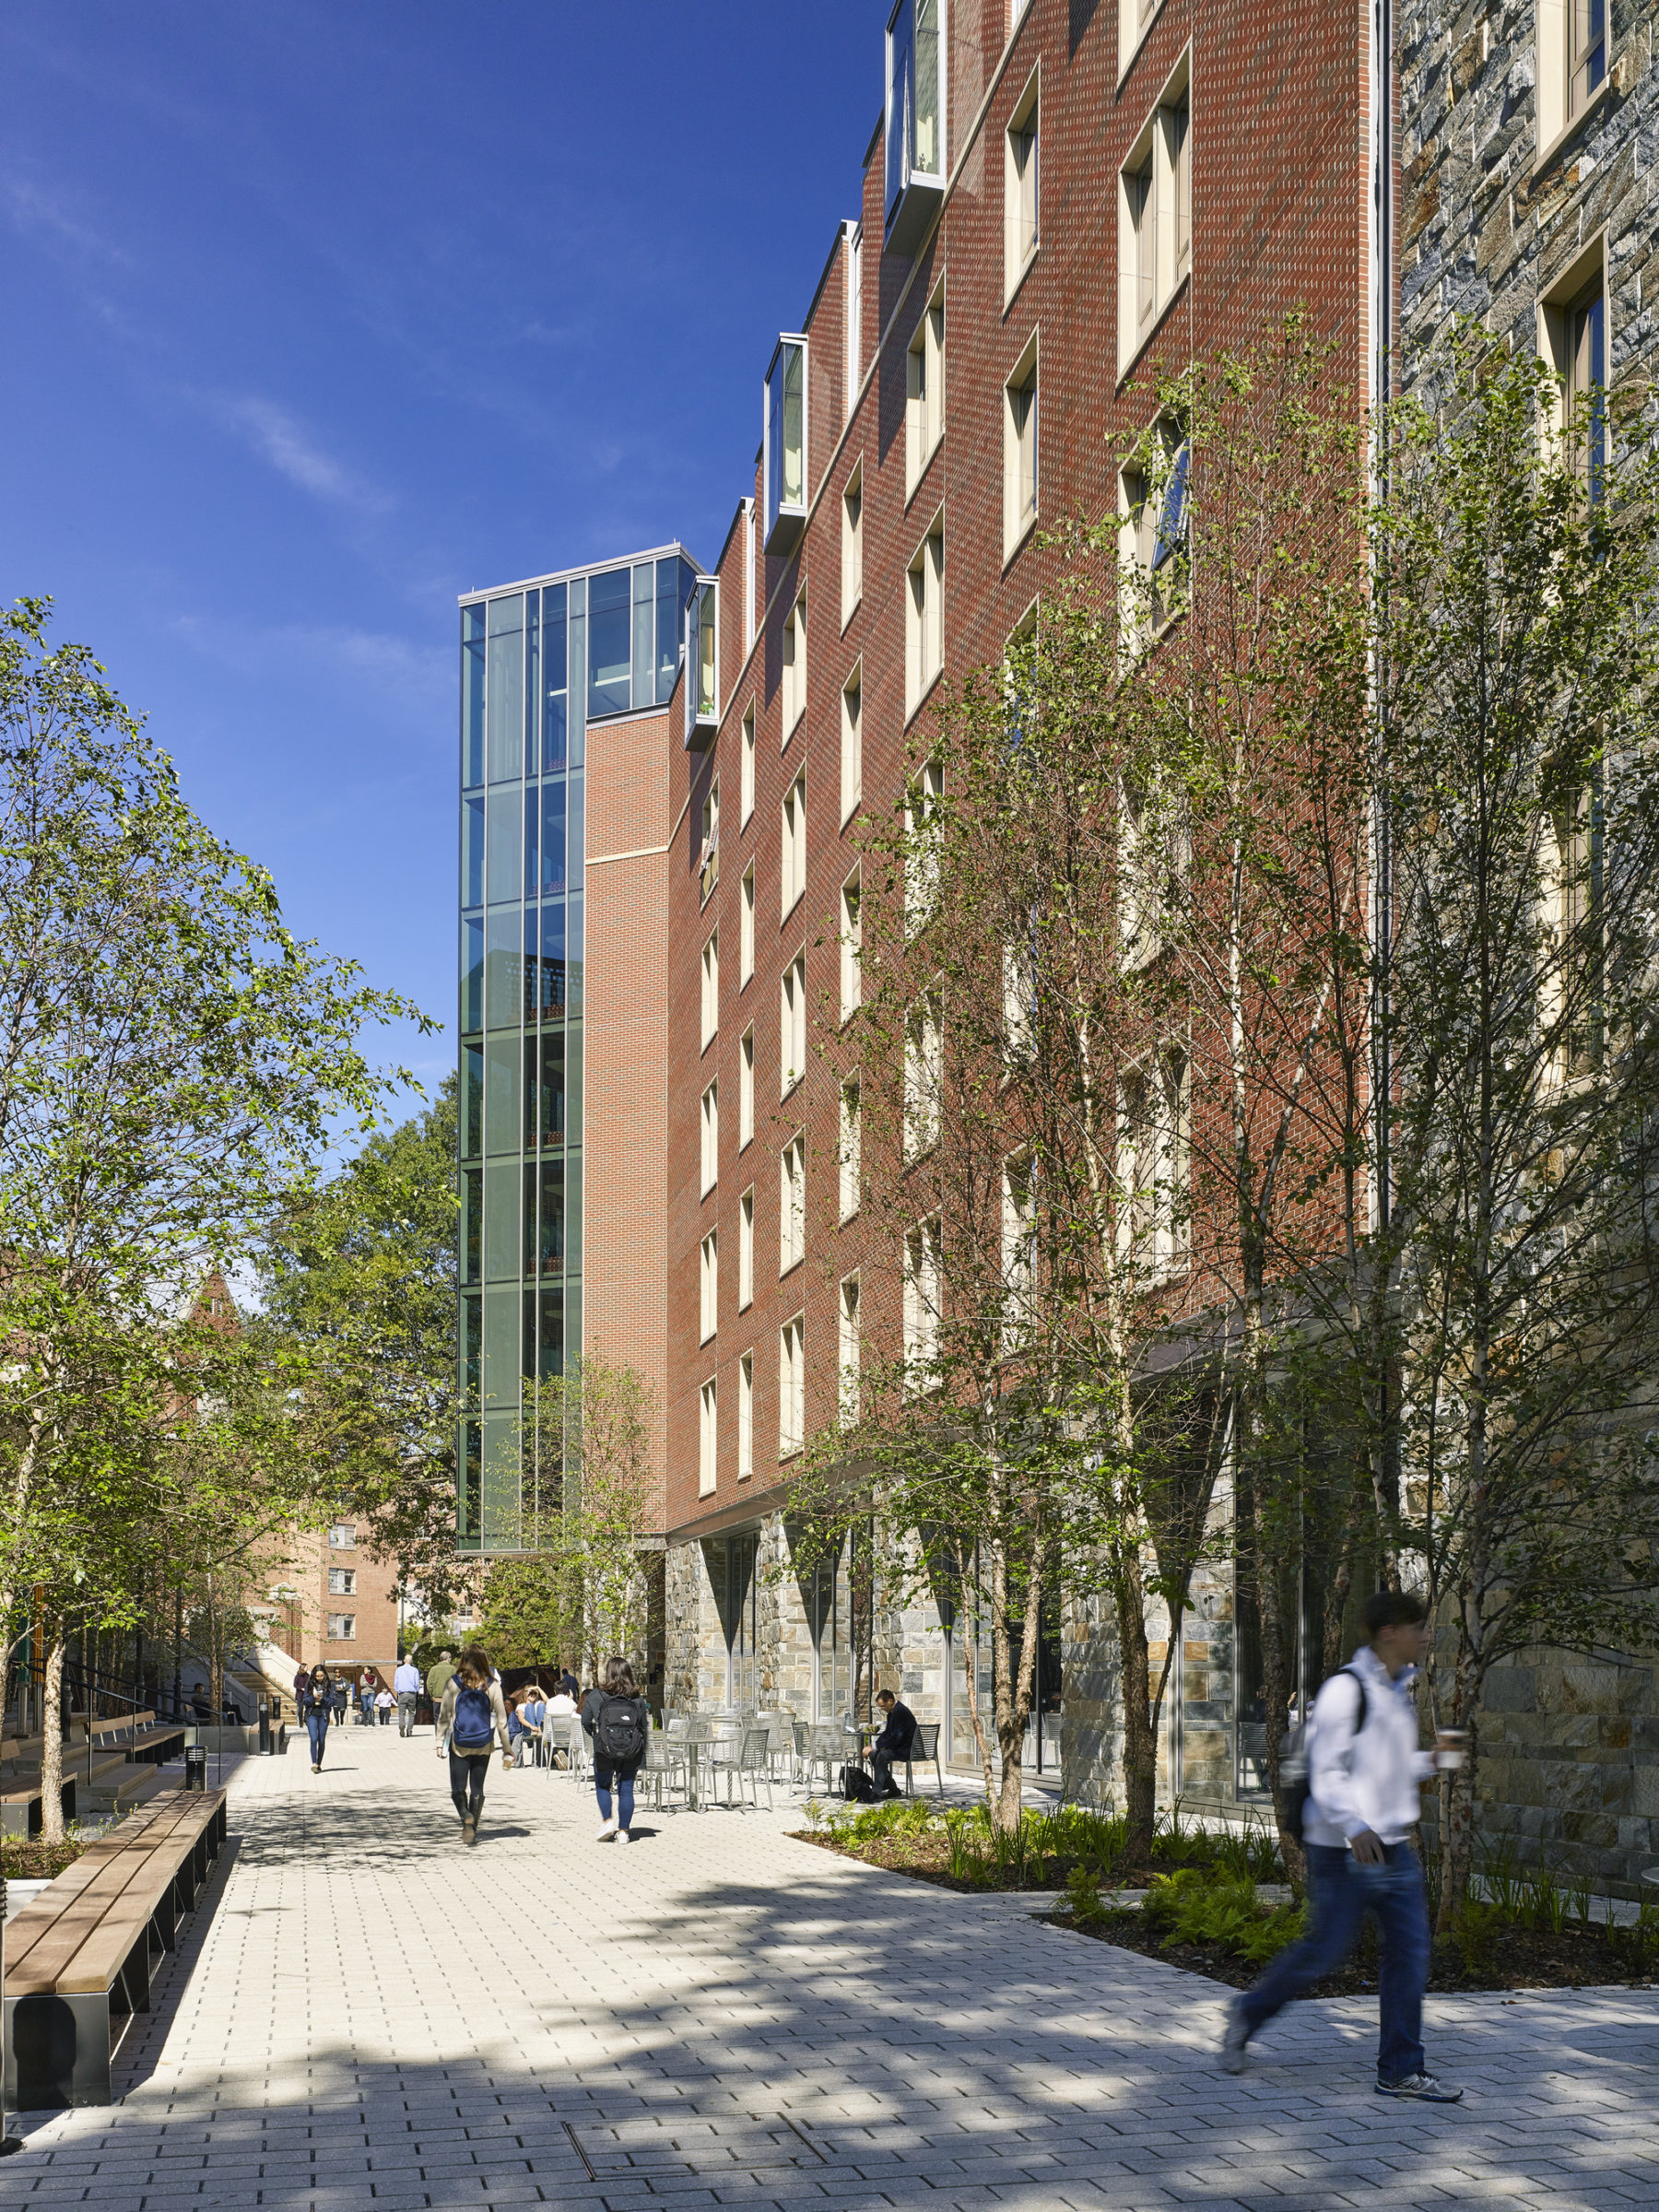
<point x="1453" y="1748"/>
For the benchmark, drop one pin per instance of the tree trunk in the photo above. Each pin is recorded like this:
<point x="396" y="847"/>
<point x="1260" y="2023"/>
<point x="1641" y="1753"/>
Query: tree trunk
<point x="1140" y="1737"/>
<point x="51" y="1749"/>
<point x="1457" y="1799"/>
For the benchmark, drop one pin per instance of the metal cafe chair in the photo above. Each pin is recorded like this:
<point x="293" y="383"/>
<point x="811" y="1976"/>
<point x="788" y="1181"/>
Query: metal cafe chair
<point x="924" y="1745"/>
<point x="666" y="1765"/>
<point x="754" y="1761"/>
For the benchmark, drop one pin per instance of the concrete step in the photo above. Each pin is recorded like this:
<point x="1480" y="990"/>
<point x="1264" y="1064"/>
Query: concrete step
<point x="120" y="1795"/>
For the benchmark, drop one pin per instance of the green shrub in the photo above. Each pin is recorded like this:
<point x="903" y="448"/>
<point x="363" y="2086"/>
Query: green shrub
<point x="1203" y="1905"/>
<point x="1084" y="1893"/>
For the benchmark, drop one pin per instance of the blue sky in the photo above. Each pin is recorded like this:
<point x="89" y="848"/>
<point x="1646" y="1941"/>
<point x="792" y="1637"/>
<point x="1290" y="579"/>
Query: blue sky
<point x="317" y="315"/>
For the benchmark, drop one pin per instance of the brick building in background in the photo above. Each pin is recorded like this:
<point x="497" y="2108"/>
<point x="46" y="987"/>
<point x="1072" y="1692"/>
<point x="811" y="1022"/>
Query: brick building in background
<point x="338" y="1602"/>
<point x="1055" y="199"/>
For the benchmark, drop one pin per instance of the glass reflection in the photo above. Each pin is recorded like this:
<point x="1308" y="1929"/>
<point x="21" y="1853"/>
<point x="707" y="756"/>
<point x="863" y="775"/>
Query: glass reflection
<point x="610" y="644"/>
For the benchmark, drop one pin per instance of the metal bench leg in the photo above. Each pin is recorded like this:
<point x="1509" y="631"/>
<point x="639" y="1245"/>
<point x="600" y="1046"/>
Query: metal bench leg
<point x="57" y="2051"/>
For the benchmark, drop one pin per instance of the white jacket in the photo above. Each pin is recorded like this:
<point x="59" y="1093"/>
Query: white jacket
<point x="1368" y="1780"/>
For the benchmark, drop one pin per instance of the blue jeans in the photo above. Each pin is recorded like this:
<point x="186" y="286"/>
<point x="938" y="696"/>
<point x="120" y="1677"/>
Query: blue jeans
<point x="1341" y="1892"/>
<point x="316" y="1727"/>
<point x="602" y="1777"/>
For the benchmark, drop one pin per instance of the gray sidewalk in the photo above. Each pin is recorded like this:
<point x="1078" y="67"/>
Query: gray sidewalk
<point x="366" y="2015"/>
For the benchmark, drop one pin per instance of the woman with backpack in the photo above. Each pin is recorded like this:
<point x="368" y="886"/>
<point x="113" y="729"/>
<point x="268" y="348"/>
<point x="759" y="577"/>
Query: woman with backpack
<point x="469" y="1722"/>
<point x="316" y="1700"/>
<point x="618" y="1720"/>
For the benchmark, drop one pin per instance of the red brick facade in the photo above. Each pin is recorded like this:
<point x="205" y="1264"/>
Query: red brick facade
<point x="1280" y="172"/>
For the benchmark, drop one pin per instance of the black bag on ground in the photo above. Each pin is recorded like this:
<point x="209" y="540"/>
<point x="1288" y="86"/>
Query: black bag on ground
<point x="856" y="1786"/>
<point x="619" y="1732"/>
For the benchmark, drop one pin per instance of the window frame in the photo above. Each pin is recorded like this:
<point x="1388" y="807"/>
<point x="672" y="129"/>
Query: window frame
<point x="746" y="1250"/>
<point x="793" y="1025"/>
<point x="849" y="939"/>
<point x="852" y="742"/>
<point x="852" y="568"/>
<point x="709" y="1005"/>
<point x="1020" y="435"/>
<point x="707" y="1437"/>
<point x="792" y="848"/>
<point x="850" y="1146"/>
<point x="708" y="1286"/>
<point x="1022" y="235"/>
<point x="924" y="392"/>
<point x="925" y="617"/>
<point x="746" y="928"/>
<point x="746" y="786"/>
<point x="791" y="1206"/>
<point x="746" y="1415"/>
<point x="791" y="1386"/>
<point x="848" y="1348"/>
<point x="709" y="1154"/>
<point x="1154" y="227"/>
<point x="746" y="1089"/>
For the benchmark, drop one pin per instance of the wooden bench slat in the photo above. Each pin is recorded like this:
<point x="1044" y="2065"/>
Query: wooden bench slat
<point x="45" y="1952"/>
<point x="138" y="1862"/>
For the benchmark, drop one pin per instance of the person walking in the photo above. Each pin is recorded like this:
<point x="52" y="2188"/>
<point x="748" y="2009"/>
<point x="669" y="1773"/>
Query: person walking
<point x="405" y="1685"/>
<point x="469" y="1722"/>
<point x="618" y="1720"/>
<point x="1365" y="1769"/>
<point x="315" y="1700"/>
<point x="438" y="1678"/>
<point x="367" y="1686"/>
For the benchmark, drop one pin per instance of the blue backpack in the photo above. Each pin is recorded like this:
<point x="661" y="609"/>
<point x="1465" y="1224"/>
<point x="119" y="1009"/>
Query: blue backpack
<point x="473" y="1725"/>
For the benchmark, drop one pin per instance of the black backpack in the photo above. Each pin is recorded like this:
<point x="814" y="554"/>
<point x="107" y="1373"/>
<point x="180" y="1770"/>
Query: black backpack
<point x="1294" y="1789"/>
<point x="856" y="1786"/>
<point x="619" y="1732"/>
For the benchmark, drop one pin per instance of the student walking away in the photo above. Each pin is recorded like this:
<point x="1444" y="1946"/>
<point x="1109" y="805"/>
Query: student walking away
<point x="315" y="1699"/>
<point x="438" y="1678"/>
<point x="893" y="1745"/>
<point x="618" y="1720"/>
<point x="470" y="1721"/>
<point x="405" y="1683"/>
<point x="1364" y="1771"/>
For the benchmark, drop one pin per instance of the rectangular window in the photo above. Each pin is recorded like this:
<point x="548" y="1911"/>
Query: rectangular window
<point x="702" y="643"/>
<point x="342" y="1627"/>
<point x="746" y="1250"/>
<point x="924" y="618"/>
<point x="710" y="1136"/>
<point x="1019" y="1248"/>
<point x="922" y="1260"/>
<point x="1020" y="190"/>
<point x="746" y="927"/>
<point x="783" y="445"/>
<point x="1155" y="216"/>
<point x="791" y="1387"/>
<point x="1020" y="1000"/>
<point x="708" y="1436"/>
<point x="794" y="667"/>
<point x="792" y="872"/>
<point x="709" y="1287"/>
<point x="920" y="841"/>
<point x="852" y="749"/>
<point x="341" y="1581"/>
<point x="852" y="946"/>
<point x="1153" y="496"/>
<point x="849" y="1148"/>
<point x="1572" y="63"/>
<point x="851" y="544"/>
<point x="848" y="1349"/>
<point x="923" y="1076"/>
<point x="707" y="855"/>
<point x="1019" y="450"/>
<point x="342" y="1536"/>
<point x="924" y="392"/>
<point x="711" y="988"/>
<point x="746" y="1416"/>
<point x="791" y="1206"/>
<point x="747" y="772"/>
<point x="1573" y="316"/>
<point x="1152" y="1165"/>
<point x="792" y="1026"/>
<point x="610" y="642"/>
<point x="746" y="1088"/>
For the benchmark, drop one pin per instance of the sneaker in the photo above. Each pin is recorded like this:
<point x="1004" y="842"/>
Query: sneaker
<point x="607" y="1831"/>
<point x="622" y="1836"/>
<point x="470" y="1830"/>
<point x="316" y="1766"/>
<point x="1234" y="2041"/>
<point x="1424" y="2088"/>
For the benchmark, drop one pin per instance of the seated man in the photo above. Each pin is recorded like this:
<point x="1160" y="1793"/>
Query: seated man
<point x="893" y="1743"/>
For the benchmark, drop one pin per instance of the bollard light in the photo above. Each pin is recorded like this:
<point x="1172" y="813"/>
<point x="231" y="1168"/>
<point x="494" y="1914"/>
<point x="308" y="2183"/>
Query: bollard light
<point x="195" y="1767"/>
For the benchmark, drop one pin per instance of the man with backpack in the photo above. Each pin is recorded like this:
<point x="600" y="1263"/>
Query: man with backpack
<point x="892" y="1747"/>
<point x="618" y="1720"/>
<point x="470" y="1721"/>
<point x="1364" y="1767"/>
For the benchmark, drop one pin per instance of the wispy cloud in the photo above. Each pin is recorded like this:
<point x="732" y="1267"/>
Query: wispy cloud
<point x="391" y="666"/>
<point x="282" y="441"/>
<point x="47" y="217"/>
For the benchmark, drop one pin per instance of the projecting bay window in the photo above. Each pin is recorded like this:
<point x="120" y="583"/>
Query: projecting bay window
<point x="792" y="1026"/>
<point x="1019" y="450"/>
<point x="708" y="1436"/>
<point x="783" y="445"/>
<point x="924" y="392"/>
<point x="852" y="545"/>
<point x="1155" y="217"/>
<point x="914" y="124"/>
<point x="791" y="1206"/>
<point x="702" y="664"/>
<point x="1020" y="190"/>
<point x="924" y="618"/>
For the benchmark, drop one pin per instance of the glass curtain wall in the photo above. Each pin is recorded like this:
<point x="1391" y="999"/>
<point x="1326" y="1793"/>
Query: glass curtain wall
<point x="537" y="667"/>
<point x="841" y="1619"/>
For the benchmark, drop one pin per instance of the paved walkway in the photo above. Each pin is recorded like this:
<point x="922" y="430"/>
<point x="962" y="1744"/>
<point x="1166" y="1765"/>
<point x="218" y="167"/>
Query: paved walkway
<point x="366" y="2016"/>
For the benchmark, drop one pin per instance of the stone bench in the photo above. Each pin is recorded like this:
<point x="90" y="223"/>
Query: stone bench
<point x="78" y="1958"/>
